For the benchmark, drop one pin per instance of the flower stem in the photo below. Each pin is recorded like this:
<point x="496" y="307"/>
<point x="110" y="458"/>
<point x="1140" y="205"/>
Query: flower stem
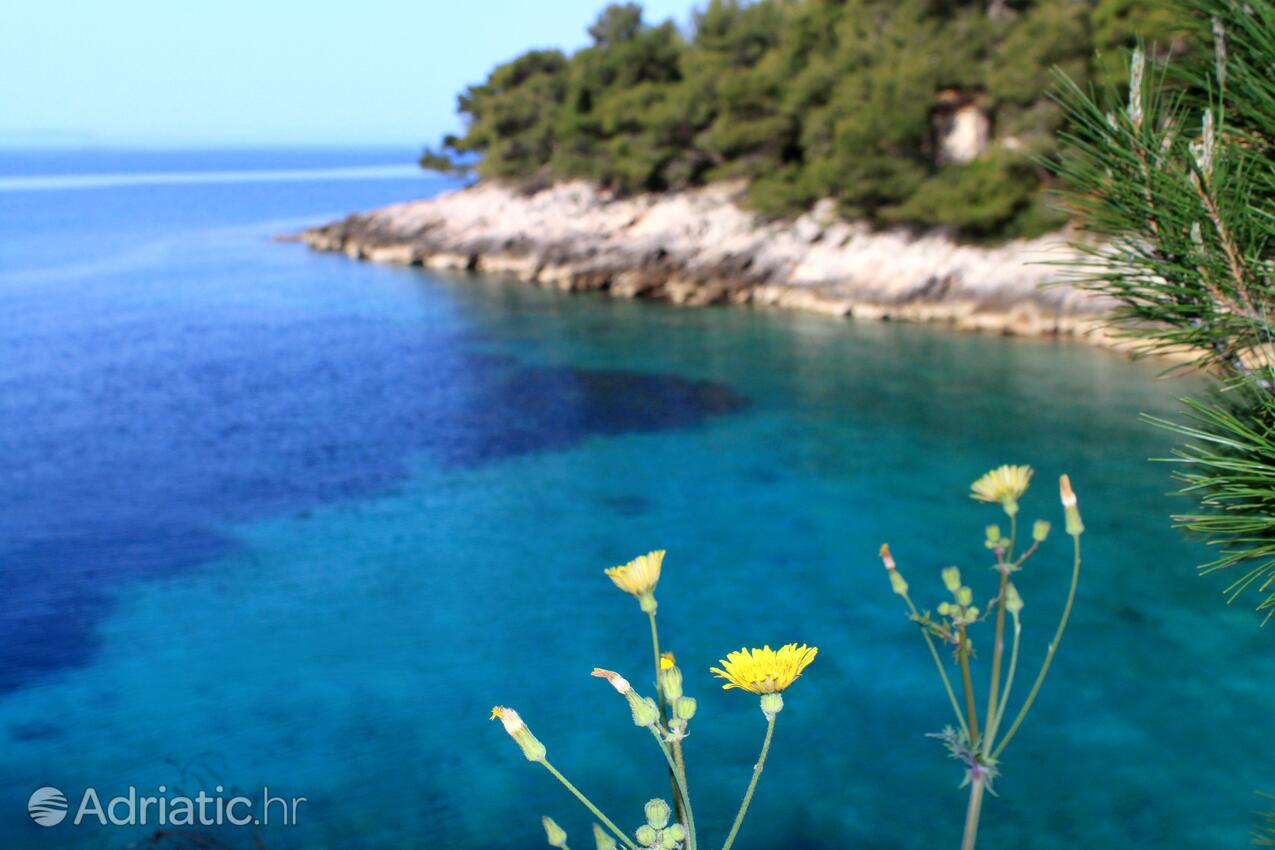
<point x="1049" y="654"/>
<point x="994" y="723"/>
<point x="659" y="692"/>
<point x="597" y="813"/>
<point x="752" y="785"/>
<point x="938" y="663"/>
<point x="998" y="652"/>
<point x="968" y="682"/>
<point x="683" y="793"/>
<point x="972" y="813"/>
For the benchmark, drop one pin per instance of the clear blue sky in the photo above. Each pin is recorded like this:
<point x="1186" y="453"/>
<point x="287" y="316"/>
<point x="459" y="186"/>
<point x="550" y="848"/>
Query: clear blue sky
<point x="263" y="72"/>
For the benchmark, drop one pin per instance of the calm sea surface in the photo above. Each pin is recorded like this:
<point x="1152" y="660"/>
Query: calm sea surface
<point x="272" y="518"/>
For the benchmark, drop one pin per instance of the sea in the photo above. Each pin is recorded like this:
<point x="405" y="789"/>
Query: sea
<point x="284" y="526"/>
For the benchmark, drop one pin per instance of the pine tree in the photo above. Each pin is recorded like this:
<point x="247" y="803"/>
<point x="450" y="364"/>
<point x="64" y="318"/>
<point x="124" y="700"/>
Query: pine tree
<point x="1177" y="187"/>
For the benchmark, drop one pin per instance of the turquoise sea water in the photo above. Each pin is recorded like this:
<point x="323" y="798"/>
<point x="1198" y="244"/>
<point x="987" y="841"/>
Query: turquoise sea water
<point x="280" y="519"/>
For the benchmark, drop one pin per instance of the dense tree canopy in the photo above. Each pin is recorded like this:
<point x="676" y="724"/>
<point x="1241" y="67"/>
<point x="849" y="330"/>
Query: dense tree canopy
<point x="808" y="99"/>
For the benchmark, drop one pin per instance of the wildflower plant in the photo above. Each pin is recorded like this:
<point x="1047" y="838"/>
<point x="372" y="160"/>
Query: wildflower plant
<point x="764" y="672"/>
<point x="979" y="747"/>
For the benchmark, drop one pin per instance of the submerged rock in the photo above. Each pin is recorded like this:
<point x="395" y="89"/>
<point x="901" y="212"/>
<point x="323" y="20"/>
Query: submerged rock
<point x="700" y="247"/>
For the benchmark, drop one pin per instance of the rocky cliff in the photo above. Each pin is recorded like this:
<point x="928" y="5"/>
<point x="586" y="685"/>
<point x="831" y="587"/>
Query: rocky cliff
<point x="700" y="247"/>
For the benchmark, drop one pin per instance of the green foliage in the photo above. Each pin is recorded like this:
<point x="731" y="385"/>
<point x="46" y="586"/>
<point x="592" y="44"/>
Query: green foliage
<point x="805" y="99"/>
<point x="1265" y="834"/>
<point x="1180" y="184"/>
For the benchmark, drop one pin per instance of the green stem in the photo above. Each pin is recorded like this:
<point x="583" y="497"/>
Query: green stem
<point x="972" y="813"/>
<point x="680" y="788"/>
<point x="597" y="813"/>
<point x="938" y="663"/>
<point x="998" y="652"/>
<point x="659" y="692"/>
<point x="752" y="785"/>
<point x="994" y="724"/>
<point x="968" y="682"/>
<point x="655" y="650"/>
<point x="1049" y="654"/>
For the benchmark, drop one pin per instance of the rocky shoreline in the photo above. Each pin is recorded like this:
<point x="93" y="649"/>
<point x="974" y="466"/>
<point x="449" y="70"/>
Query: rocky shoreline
<point x="699" y="248"/>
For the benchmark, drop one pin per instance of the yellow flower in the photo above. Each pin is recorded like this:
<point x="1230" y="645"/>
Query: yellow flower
<point x="1003" y="485"/>
<point x="639" y="577"/>
<point x="765" y="670"/>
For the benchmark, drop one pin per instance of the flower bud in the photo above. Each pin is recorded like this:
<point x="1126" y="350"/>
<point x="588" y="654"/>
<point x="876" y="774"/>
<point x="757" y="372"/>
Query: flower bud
<point x="657" y="813"/>
<point x="645" y="712"/>
<point x="897" y="583"/>
<point x="964" y="596"/>
<point x="945" y="608"/>
<point x="684" y="708"/>
<point x="554" y="833"/>
<point x="670" y="677"/>
<point x="667" y="841"/>
<point x="1074" y="526"/>
<point x="772" y="704"/>
<point x="617" y="681"/>
<point x="677" y="832"/>
<point x="1013" y="602"/>
<point x="1040" y="530"/>
<point x="951" y="578"/>
<point x="531" y="746"/>
<point x="603" y="839"/>
<point x="645" y="835"/>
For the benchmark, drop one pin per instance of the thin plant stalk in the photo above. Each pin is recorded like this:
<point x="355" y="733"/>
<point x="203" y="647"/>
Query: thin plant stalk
<point x="998" y="652"/>
<point x="588" y="804"/>
<point x="938" y="663"/>
<point x="975" y="808"/>
<point x="682" y="790"/>
<point x="752" y="785"/>
<point x="677" y="763"/>
<point x="1049" y="654"/>
<point x="968" y="682"/>
<point x="993" y="725"/>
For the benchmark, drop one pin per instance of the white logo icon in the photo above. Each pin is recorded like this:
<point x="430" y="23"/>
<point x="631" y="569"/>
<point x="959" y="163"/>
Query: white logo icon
<point x="47" y="806"/>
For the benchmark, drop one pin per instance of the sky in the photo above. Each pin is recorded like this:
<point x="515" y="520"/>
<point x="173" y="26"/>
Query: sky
<point x="208" y="73"/>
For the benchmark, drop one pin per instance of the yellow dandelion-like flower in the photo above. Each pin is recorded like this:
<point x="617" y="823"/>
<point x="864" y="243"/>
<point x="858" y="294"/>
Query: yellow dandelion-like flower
<point x="639" y="577"/>
<point x="765" y="670"/>
<point x="1003" y="485"/>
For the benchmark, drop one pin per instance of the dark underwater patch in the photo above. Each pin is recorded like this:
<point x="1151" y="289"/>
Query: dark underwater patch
<point x="127" y="448"/>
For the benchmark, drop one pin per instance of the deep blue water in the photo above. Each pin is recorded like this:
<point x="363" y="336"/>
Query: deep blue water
<point x="277" y="518"/>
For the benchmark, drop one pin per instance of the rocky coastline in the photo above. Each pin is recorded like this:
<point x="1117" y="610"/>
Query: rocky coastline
<point x="700" y="248"/>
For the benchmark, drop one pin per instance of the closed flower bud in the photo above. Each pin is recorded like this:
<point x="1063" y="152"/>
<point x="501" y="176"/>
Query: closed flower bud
<point x="657" y="813"/>
<point x="951" y="578"/>
<point x="993" y="534"/>
<point x="1013" y="602"/>
<point x="945" y="609"/>
<point x="964" y="596"/>
<point x="645" y="712"/>
<point x="603" y="839"/>
<point x="645" y="835"/>
<point x="1074" y="526"/>
<point x="677" y="832"/>
<point x="531" y="746"/>
<point x="667" y="841"/>
<point x="684" y="708"/>
<point x="554" y="833"/>
<point x="670" y="677"/>
<point x="772" y="704"/>
<point x="897" y="583"/>
<point x="1040" y="530"/>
